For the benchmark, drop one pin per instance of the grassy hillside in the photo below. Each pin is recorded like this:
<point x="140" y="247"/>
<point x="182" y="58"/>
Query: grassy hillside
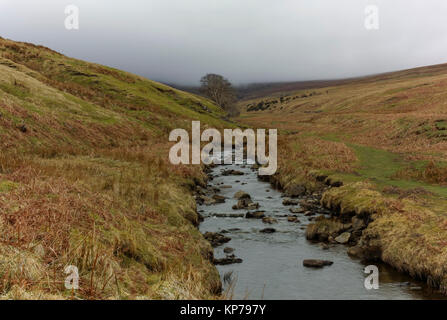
<point x="385" y="138"/>
<point x="85" y="180"/>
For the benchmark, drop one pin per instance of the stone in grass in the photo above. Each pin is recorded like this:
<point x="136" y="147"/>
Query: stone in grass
<point x="23" y="128"/>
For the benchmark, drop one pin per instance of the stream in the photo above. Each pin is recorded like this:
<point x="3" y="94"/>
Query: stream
<point x="272" y="266"/>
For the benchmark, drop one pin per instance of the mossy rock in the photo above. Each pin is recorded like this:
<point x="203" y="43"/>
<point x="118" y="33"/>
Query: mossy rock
<point x="322" y="229"/>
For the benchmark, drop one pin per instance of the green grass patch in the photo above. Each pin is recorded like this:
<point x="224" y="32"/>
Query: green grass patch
<point x="441" y="125"/>
<point x="6" y="186"/>
<point x="379" y="166"/>
<point x="16" y="90"/>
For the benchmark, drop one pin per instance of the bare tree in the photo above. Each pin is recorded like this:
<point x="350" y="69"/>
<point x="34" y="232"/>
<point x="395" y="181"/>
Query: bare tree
<point x="220" y="90"/>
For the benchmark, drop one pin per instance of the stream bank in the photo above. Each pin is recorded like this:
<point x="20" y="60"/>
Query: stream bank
<point x="261" y="255"/>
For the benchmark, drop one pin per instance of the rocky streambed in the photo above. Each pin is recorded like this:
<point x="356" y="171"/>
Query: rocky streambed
<point x="268" y="245"/>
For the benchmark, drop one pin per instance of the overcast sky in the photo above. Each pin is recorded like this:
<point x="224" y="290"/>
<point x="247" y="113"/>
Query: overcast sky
<point x="244" y="40"/>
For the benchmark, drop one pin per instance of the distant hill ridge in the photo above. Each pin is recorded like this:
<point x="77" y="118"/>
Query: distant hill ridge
<point x="265" y="89"/>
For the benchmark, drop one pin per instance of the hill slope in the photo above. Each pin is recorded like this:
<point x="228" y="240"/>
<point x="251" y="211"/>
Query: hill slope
<point x="385" y="139"/>
<point x="85" y="181"/>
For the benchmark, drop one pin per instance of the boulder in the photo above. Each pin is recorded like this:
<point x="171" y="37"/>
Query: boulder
<point x="241" y="195"/>
<point x="253" y="206"/>
<point x="216" y="239"/>
<point x="367" y="249"/>
<point x="228" y="215"/>
<point x="358" y="224"/>
<point x="324" y="228"/>
<point x="343" y="238"/>
<point x="355" y="236"/>
<point x="228" y="250"/>
<point x="314" y="263"/>
<point x="255" y="215"/>
<point x="296" y="210"/>
<point x="268" y="230"/>
<point x="218" y="198"/>
<point x="295" y="191"/>
<point x="355" y="252"/>
<point x="331" y="239"/>
<point x="207" y="200"/>
<point x="227" y="260"/>
<point x="290" y="202"/>
<point x="200" y="190"/>
<point x="307" y="205"/>
<point x="269" y="220"/>
<point x="292" y="219"/>
<point x="232" y="173"/>
<point x="243" y="204"/>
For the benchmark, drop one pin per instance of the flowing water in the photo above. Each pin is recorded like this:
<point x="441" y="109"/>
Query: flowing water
<point x="272" y="263"/>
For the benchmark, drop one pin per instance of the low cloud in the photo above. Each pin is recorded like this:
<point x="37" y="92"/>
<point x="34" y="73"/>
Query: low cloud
<point x="247" y="41"/>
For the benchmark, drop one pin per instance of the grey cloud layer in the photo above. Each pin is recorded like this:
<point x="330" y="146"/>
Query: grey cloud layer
<point x="245" y="40"/>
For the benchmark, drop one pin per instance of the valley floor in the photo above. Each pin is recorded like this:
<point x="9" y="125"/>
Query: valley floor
<point x="85" y="180"/>
<point x="384" y="141"/>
